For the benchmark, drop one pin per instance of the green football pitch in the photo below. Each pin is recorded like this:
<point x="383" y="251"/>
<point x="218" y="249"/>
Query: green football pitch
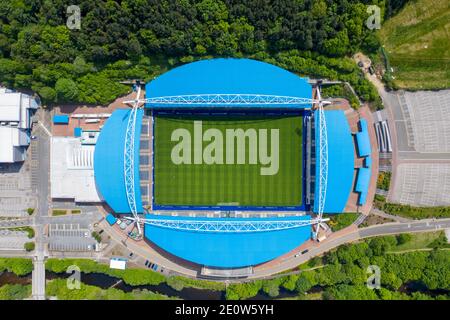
<point x="185" y="176"/>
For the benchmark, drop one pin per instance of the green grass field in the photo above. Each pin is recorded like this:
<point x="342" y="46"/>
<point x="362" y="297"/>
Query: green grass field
<point x="417" y="43"/>
<point x="229" y="184"/>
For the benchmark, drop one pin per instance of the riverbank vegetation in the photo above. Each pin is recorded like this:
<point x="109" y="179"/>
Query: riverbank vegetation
<point x="18" y="266"/>
<point x="58" y="288"/>
<point x="15" y="292"/>
<point x="408" y="211"/>
<point x="407" y="272"/>
<point x="344" y="274"/>
<point x="128" y="39"/>
<point x="133" y="277"/>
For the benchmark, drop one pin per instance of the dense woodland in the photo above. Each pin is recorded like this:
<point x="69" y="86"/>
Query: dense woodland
<point x="142" y="38"/>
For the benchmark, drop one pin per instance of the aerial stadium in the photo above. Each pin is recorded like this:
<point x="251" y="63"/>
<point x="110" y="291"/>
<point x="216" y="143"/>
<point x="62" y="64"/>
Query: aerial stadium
<point x="228" y="163"/>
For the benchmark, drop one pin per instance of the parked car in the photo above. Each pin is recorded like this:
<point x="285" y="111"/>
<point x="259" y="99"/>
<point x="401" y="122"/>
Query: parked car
<point x="146" y="263"/>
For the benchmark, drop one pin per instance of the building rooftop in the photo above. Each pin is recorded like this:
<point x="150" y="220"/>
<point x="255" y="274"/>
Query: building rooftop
<point x="72" y="170"/>
<point x="15" y="121"/>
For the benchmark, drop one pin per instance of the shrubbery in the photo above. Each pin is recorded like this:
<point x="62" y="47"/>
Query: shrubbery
<point x="384" y="181"/>
<point x="341" y="220"/>
<point x="410" y="211"/>
<point x="18" y="266"/>
<point x="29" y="246"/>
<point x="58" y="288"/>
<point x="15" y="292"/>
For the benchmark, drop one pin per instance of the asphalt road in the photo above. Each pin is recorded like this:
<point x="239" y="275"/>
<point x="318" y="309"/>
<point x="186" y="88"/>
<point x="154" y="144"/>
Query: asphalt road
<point x="416" y="226"/>
<point x="428" y="225"/>
<point x="43" y="149"/>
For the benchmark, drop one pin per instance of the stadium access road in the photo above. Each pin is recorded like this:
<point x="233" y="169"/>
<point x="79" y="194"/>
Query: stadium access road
<point x="289" y="261"/>
<point x="352" y="234"/>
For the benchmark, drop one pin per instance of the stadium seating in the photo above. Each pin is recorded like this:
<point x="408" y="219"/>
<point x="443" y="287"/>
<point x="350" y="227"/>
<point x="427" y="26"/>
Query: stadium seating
<point x="362" y="184"/>
<point x="362" y="140"/>
<point x="364" y="150"/>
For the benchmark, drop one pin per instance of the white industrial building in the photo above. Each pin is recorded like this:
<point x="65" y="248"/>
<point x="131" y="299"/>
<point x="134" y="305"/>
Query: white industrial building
<point x="72" y="168"/>
<point x="16" y="109"/>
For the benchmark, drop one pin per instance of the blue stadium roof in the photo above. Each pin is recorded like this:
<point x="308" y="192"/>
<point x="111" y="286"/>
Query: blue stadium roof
<point x="363" y="140"/>
<point x="109" y="161"/>
<point x="362" y="184"/>
<point x="228" y="77"/>
<point x="227" y="250"/>
<point x="340" y="161"/>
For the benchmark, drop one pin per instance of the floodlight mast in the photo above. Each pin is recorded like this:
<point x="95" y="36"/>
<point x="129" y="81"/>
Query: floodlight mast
<point x="323" y="161"/>
<point x="129" y="154"/>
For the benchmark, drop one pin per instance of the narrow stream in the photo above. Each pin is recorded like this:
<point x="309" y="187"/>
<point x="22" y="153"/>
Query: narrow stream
<point x="11" y="278"/>
<point x="105" y="281"/>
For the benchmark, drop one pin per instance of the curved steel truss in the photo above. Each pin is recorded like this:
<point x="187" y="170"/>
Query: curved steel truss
<point x="241" y="100"/>
<point x="227" y="226"/>
<point x="322" y="162"/>
<point x="232" y="99"/>
<point x="129" y="153"/>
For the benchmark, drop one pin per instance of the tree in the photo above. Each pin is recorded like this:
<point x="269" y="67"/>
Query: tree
<point x="47" y="94"/>
<point x="175" y="283"/>
<point x="66" y="90"/>
<point x="403" y="238"/>
<point x="19" y="266"/>
<point x="303" y="284"/>
<point x="337" y="46"/>
<point x="380" y="245"/>
<point x="212" y="10"/>
<point x="271" y="288"/>
<point x="14" y="292"/>
<point x="348" y="292"/>
<point x="29" y="246"/>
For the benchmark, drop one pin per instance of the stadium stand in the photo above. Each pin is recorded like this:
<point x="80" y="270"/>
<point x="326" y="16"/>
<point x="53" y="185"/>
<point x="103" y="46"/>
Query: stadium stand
<point x="362" y="139"/>
<point x="109" y="162"/>
<point x="362" y="184"/>
<point x="340" y="161"/>
<point x="224" y="77"/>
<point x="228" y="77"/>
<point x="226" y="250"/>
